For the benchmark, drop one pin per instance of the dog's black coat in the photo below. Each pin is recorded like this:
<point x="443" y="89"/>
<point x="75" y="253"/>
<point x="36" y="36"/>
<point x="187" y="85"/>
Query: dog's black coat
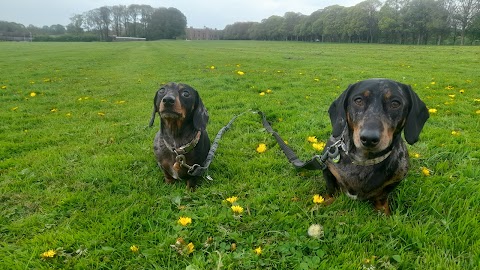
<point x="183" y="121"/>
<point x="369" y="117"/>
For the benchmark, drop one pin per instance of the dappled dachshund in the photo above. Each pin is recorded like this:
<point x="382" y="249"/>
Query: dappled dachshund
<point x="182" y="140"/>
<point x="367" y="121"/>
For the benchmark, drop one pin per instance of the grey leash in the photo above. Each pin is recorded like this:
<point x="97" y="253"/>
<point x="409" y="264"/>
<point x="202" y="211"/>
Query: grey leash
<point x="318" y="162"/>
<point x="196" y="169"/>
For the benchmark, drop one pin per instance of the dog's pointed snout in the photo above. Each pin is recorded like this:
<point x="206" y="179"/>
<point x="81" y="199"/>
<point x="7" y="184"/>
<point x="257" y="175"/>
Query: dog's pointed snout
<point x="370" y="138"/>
<point x="168" y="100"/>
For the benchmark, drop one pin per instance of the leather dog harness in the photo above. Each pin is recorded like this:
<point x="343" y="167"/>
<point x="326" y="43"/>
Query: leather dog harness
<point x="180" y="152"/>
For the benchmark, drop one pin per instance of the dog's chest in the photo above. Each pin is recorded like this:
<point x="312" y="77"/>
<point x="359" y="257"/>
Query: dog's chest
<point x="364" y="182"/>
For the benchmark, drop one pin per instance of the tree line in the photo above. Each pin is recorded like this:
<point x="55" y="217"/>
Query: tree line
<point x="396" y="21"/>
<point x="133" y="21"/>
<point x="107" y="21"/>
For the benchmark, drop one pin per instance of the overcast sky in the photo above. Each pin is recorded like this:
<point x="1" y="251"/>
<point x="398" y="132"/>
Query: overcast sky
<point x="199" y="13"/>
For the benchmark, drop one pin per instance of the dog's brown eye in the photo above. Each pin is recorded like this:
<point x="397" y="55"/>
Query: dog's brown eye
<point x="185" y="94"/>
<point x="358" y="101"/>
<point x="395" y="104"/>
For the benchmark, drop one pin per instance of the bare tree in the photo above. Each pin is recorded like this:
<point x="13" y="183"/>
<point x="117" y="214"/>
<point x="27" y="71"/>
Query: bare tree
<point x="465" y="13"/>
<point x="134" y="12"/>
<point x="146" y="12"/>
<point x="105" y="19"/>
<point x="118" y="14"/>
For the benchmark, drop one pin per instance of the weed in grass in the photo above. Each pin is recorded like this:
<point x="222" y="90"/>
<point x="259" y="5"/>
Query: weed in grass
<point x="81" y="182"/>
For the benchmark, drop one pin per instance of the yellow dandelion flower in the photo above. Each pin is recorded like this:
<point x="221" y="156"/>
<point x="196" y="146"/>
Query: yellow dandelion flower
<point x="101" y="114"/>
<point x="318" y="199"/>
<point x="212" y="67"/>
<point x="47" y="80"/>
<point x="312" y="139"/>
<point x="316" y="79"/>
<point x="451" y="96"/>
<point x="232" y="199"/>
<point x="262" y="94"/>
<point x="432" y="110"/>
<point x="32" y="94"/>
<point x="120" y="102"/>
<point x="476" y="99"/>
<point x="134" y="249"/>
<point x="425" y="171"/>
<point x="190" y="248"/>
<point x="449" y="87"/>
<point x="241" y="73"/>
<point x="14" y="108"/>
<point x="261" y="148"/>
<point x="4" y="87"/>
<point x="238" y="65"/>
<point x="54" y="110"/>
<point x="48" y="254"/>
<point x="318" y="146"/>
<point x="258" y="250"/>
<point x="415" y="155"/>
<point x="32" y="82"/>
<point x="269" y="91"/>
<point x="455" y="133"/>
<point x="68" y="114"/>
<point x="184" y="221"/>
<point x="462" y="91"/>
<point x="237" y="209"/>
<point x="477" y="112"/>
<point x="433" y="83"/>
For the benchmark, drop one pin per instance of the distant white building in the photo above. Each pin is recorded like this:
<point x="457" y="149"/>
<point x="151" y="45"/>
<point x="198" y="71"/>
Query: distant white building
<point x="115" y="38"/>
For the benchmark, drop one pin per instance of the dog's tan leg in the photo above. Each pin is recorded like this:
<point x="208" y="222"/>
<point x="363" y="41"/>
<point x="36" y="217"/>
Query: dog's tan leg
<point x="191" y="184"/>
<point x="328" y="199"/>
<point x="381" y="205"/>
<point x="168" y="178"/>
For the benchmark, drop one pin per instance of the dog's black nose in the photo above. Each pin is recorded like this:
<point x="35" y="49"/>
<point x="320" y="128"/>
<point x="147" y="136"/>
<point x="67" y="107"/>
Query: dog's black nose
<point x="370" y="138"/>
<point x="168" y="100"/>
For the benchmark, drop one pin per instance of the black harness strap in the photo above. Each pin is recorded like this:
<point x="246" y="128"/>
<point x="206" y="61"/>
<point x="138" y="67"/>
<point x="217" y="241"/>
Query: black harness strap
<point x="316" y="163"/>
<point x="197" y="170"/>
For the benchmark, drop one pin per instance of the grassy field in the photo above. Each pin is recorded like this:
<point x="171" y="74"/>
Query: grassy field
<point x="80" y="189"/>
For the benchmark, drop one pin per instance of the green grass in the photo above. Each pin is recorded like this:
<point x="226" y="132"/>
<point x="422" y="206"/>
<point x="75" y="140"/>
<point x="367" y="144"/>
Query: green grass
<point x="78" y="175"/>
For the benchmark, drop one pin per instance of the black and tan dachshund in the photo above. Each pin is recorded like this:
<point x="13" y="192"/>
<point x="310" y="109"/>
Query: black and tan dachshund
<point x="182" y="140"/>
<point x="367" y="121"/>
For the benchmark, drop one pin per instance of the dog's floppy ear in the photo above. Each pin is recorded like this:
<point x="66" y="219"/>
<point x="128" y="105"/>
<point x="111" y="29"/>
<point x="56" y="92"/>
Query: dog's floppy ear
<point x="156" y="104"/>
<point x="338" y="112"/>
<point x="200" y="114"/>
<point x="417" y="116"/>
